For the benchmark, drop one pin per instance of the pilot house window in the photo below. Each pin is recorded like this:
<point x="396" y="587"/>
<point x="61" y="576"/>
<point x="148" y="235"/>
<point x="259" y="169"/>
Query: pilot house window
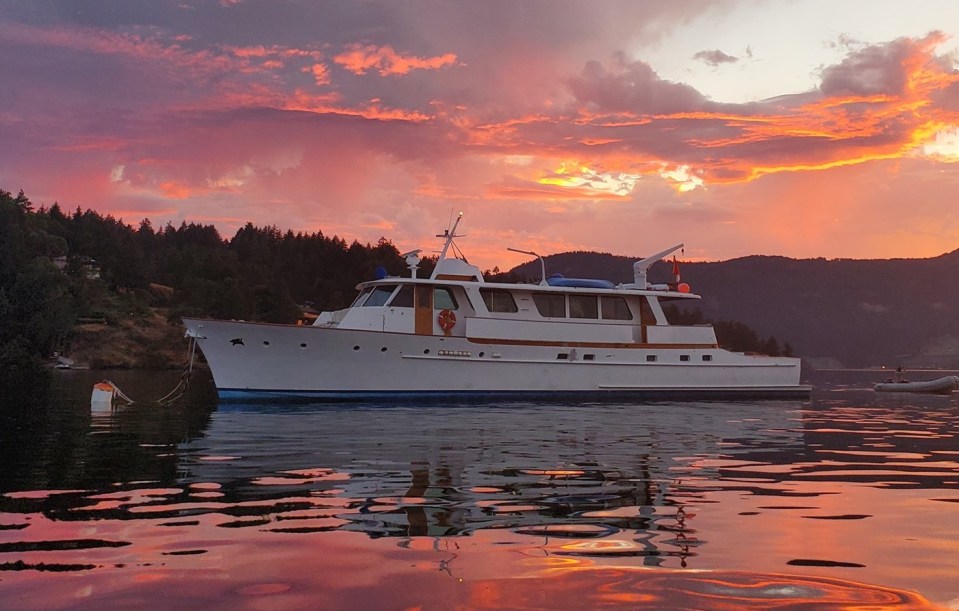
<point x="583" y="306"/>
<point x="498" y="300"/>
<point x="379" y="296"/>
<point x="549" y="305"/>
<point x="443" y="299"/>
<point x="404" y="297"/>
<point x="615" y="308"/>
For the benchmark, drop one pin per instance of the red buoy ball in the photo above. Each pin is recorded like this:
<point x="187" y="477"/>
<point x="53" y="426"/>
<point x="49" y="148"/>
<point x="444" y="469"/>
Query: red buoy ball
<point x="683" y="287"/>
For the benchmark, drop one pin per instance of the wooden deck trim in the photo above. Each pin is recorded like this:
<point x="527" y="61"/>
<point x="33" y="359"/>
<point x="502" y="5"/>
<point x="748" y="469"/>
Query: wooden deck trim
<point x="555" y="344"/>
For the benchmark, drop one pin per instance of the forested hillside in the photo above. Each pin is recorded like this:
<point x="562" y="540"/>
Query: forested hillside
<point x="59" y="268"/>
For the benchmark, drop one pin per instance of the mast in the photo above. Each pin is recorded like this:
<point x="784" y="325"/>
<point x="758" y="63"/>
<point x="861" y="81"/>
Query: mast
<point x="449" y="234"/>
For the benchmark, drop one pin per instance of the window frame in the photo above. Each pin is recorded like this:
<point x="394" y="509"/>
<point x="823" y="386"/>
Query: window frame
<point x="604" y="299"/>
<point x="439" y="290"/>
<point x="582" y="299"/>
<point x="404" y="289"/>
<point x="553" y="297"/>
<point x="490" y="300"/>
<point x="388" y="289"/>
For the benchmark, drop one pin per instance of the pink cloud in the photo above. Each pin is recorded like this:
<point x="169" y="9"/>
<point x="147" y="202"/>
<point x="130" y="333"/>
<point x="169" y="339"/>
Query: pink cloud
<point x="150" y="47"/>
<point x="320" y="73"/>
<point x="360" y="59"/>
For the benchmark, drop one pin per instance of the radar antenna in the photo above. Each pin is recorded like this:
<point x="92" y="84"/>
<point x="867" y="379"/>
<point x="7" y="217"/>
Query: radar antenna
<point x="412" y="260"/>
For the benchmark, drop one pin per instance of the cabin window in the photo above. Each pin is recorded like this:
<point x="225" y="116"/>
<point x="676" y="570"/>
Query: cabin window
<point x="404" y="297"/>
<point x="498" y="300"/>
<point x="379" y="296"/>
<point x="650" y="358"/>
<point x="550" y="305"/>
<point x="443" y="299"/>
<point x="684" y="357"/>
<point x="707" y="357"/>
<point x="583" y="306"/>
<point x="615" y="308"/>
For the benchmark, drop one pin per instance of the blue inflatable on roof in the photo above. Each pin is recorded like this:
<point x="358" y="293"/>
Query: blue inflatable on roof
<point x="587" y="283"/>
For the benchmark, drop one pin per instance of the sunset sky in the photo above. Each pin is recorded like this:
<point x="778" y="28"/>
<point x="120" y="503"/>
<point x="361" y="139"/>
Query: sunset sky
<point x="810" y="128"/>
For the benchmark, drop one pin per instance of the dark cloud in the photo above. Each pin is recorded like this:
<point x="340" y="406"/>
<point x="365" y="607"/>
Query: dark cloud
<point x="632" y="86"/>
<point x="876" y="69"/>
<point x="716" y="57"/>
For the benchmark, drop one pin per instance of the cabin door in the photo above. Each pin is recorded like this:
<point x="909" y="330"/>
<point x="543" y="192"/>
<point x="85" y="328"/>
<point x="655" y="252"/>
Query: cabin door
<point x="424" y="310"/>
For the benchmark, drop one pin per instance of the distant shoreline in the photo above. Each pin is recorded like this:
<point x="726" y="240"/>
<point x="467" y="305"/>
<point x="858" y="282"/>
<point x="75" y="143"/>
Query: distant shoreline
<point x="884" y="369"/>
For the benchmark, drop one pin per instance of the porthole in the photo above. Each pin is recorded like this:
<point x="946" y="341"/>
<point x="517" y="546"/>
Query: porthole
<point x="482" y="354"/>
<point x="356" y="347"/>
<point x="303" y="345"/>
<point x="266" y="343"/>
<point x="383" y="349"/>
<point x="427" y="351"/>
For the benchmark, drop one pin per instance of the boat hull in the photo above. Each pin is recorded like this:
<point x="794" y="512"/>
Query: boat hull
<point x="288" y="362"/>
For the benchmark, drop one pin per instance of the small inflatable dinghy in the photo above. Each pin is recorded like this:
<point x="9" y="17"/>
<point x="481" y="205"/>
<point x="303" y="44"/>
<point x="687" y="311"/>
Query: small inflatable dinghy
<point x="940" y="386"/>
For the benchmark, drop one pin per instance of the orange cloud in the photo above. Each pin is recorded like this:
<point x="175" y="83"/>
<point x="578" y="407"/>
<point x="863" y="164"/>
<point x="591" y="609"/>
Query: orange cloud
<point x="549" y="192"/>
<point x="887" y="101"/>
<point x="302" y="101"/>
<point x="360" y="59"/>
<point x="320" y="73"/>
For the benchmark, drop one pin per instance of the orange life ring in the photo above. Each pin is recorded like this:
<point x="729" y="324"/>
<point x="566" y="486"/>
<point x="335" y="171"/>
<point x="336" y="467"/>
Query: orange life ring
<point x="446" y="319"/>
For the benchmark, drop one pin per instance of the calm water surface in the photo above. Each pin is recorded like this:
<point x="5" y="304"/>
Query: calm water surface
<point x="850" y="500"/>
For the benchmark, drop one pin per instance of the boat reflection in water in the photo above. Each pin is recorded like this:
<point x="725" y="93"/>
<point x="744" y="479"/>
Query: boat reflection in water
<point x="546" y="489"/>
<point x="515" y="505"/>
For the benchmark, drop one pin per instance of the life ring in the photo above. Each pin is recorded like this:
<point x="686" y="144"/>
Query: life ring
<point x="446" y="319"/>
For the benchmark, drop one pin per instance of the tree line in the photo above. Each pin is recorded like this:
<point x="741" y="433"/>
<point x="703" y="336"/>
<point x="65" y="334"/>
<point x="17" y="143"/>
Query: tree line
<point x="730" y="334"/>
<point x="59" y="267"/>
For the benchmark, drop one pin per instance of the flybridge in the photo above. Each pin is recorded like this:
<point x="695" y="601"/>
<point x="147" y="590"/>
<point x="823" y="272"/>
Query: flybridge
<point x="458" y="268"/>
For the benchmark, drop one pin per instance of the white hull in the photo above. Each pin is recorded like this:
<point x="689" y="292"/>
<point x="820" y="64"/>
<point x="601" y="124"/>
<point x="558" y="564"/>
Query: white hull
<point x="328" y="362"/>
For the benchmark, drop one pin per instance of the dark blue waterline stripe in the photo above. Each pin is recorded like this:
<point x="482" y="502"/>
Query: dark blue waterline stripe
<point x="229" y="395"/>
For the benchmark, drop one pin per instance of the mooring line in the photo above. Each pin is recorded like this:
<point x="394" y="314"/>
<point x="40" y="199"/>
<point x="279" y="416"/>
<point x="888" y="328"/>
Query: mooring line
<point x="178" y="391"/>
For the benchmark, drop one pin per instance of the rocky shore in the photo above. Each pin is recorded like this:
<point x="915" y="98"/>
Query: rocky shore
<point x="146" y="342"/>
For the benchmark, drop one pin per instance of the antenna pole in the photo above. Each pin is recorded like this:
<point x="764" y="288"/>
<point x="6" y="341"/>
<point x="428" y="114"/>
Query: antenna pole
<point x="542" y="263"/>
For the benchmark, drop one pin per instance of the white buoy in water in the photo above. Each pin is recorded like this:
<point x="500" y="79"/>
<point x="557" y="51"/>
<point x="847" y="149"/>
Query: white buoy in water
<point x="102" y="397"/>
